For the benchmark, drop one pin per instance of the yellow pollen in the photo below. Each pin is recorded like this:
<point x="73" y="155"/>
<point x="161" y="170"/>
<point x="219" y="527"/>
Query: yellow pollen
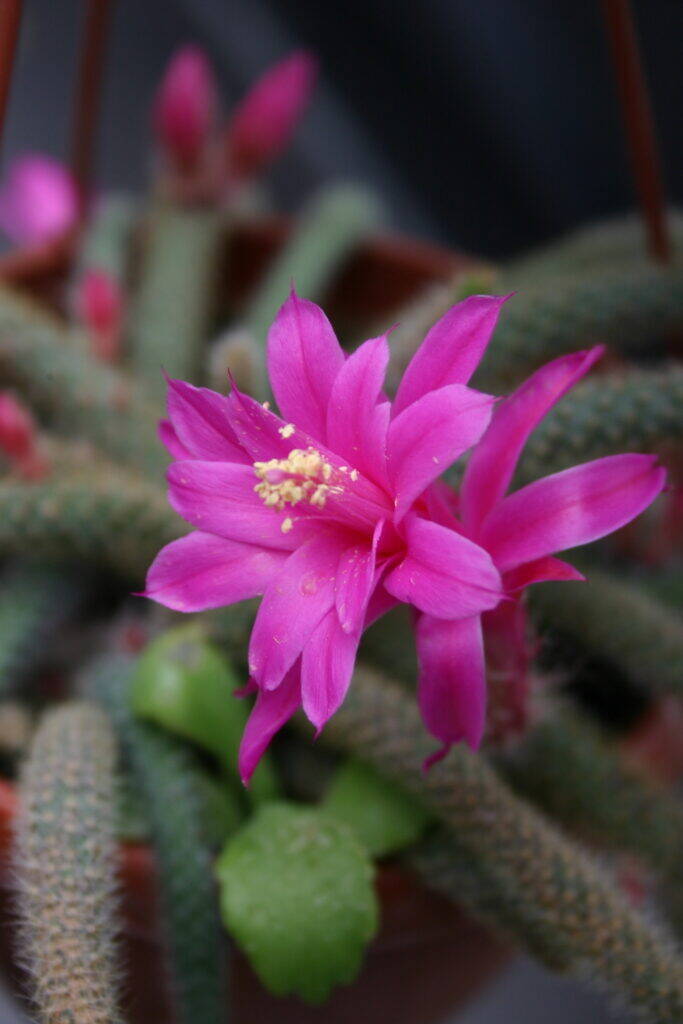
<point x="266" y="405"/>
<point x="300" y="477"/>
<point x="287" y="430"/>
<point x="354" y="474"/>
<point x="287" y="525"/>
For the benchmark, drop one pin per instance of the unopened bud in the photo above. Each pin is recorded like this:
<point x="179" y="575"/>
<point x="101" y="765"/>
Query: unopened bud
<point x="185" y="107"/>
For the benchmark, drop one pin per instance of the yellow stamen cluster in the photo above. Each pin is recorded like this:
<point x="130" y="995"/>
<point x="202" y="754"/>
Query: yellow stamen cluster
<point x="303" y="476"/>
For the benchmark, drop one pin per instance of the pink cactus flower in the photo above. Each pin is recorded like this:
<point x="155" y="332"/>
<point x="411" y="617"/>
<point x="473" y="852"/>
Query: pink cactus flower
<point x="38" y="201"/>
<point x="99" y="306"/>
<point x="521" y="531"/>
<point x="263" y="123"/>
<point x="185" y="107"/>
<point x="334" y="513"/>
<point x="19" y="441"/>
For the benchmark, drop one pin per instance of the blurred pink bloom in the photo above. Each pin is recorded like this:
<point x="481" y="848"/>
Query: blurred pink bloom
<point x="38" y="200"/>
<point x="334" y="513"/>
<point x="99" y="302"/>
<point x="19" y="437"/>
<point x="265" y="120"/>
<point x="185" y="106"/>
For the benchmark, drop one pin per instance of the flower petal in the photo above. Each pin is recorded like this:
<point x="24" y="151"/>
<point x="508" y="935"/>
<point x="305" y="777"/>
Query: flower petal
<point x="540" y="571"/>
<point x="452" y="350"/>
<point x="304" y="357"/>
<point x="570" y="508"/>
<point x="452" y="680"/>
<point x="355" y="582"/>
<point x="260" y="432"/>
<point x="272" y="710"/>
<point x="202" y="423"/>
<point x="169" y="439"/>
<point x="292" y="606"/>
<point x="219" y="497"/>
<point x="356" y="424"/>
<point x="424" y="440"/>
<point x="444" y="574"/>
<point x="326" y="669"/>
<point x="493" y="461"/>
<point x="204" y="571"/>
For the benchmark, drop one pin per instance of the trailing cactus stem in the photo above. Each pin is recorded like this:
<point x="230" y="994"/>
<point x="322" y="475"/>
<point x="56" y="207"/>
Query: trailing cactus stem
<point x="635" y="307"/>
<point x="635" y="410"/>
<point x="72" y="390"/>
<point x="88" y="511"/>
<point x="616" y="620"/>
<point x="34" y="601"/>
<point x="107" y="240"/>
<point x="170" y="318"/>
<point x="329" y="228"/>
<point x="557" y="901"/>
<point x="164" y="773"/>
<point x="65" y="862"/>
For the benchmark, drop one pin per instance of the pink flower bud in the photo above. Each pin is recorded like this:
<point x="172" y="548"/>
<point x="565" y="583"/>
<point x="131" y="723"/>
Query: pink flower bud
<point x="185" y="106"/>
<point x="19" y="437"/>
<point x="38" y="200"/>
<point x="263" y="123"/>
<point x="99" y="303"/>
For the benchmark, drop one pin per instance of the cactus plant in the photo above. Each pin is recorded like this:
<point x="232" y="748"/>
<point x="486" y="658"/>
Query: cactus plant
<point x="65" y="866"/>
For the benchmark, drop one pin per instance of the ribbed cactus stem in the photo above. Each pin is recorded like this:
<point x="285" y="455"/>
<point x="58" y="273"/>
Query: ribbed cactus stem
<point x="328" y="230"/>
<point x="634" y="307"/>
<point x="92" y="512"/>
<point x="71" y="389"/>
<point x="566" y="766"/>
<point x="164" y="774"/>
<point x="65" y="862"/>
<point x="594" y="246"/>
<point x="611" y="618"/>
<point x="34" y="602"/>
<point x="414" y="320"/>
<point x="635" y="410"/>
<point x="561" y="904"/>
<point x="107" y="240"/>
<point x="170" y="318"/>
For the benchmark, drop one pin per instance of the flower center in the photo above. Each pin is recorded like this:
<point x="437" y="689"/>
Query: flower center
<point x="303" y="476"/>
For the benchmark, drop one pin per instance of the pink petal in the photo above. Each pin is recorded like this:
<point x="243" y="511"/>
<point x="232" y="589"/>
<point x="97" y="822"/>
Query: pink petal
<point x="493" y="461"/>
<point x="219" y="497"/>
<point x="38" y="200"/>
<point x="381" y="602"/>
<point x="356" y="424"/>
<point x="185" y="105"/>
<point x="259" y="431"/>
<point x="444" y="574"/>
<point x="201" y="419"/>
<point x="355" y="582"/>
<point x="570" y="508"/>
<point x="326" y="669"/>
<point x="169" y="439"/>
<point x="452" y="350"/>
<point x="272" y="710"/>
<point x="425" y="439"/>
<point x="263" y="123"/>
<point x="452" y="680"/>
<point x="293" y="605"/>
<point x="304" y="357"/>
<point x="202" y="571"/>
<point x="543" y="569"/>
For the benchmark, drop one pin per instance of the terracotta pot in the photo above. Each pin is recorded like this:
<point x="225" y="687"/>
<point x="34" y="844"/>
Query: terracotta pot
<point x="429" y="957"/>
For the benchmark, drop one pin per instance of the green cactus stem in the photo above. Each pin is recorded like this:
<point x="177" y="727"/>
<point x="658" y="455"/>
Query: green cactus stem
<point x="164" y="772"/>
<point x="72" y="390"/>
<point x="107" y="241"/>
<point x="327" y="231"/>
<point x="171" y="314"/>
<point x="635" y="410"/>
<point x="34" y="602"/>
<point x="65" y="863"/>
<point x="636" y="308"/>
<point x="615" y="620"/>
<point x="561" y="904"/>
<point x="86" y="511"/>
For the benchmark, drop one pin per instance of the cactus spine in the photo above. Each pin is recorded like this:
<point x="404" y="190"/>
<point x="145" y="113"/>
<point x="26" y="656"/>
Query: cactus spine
<point x="65" y="866"/>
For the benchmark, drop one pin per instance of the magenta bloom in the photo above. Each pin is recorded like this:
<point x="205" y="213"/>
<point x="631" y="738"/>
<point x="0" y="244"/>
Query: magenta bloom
<point x="99" y="305"/>
<point x="263" y="123"/>
<point x="334" y="513"/>
<point x="185" y="106"/>
<point x="38" y="200"/>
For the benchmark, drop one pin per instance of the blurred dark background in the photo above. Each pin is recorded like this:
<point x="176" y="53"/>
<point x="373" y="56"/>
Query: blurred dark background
<point x="485" y="124"/>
